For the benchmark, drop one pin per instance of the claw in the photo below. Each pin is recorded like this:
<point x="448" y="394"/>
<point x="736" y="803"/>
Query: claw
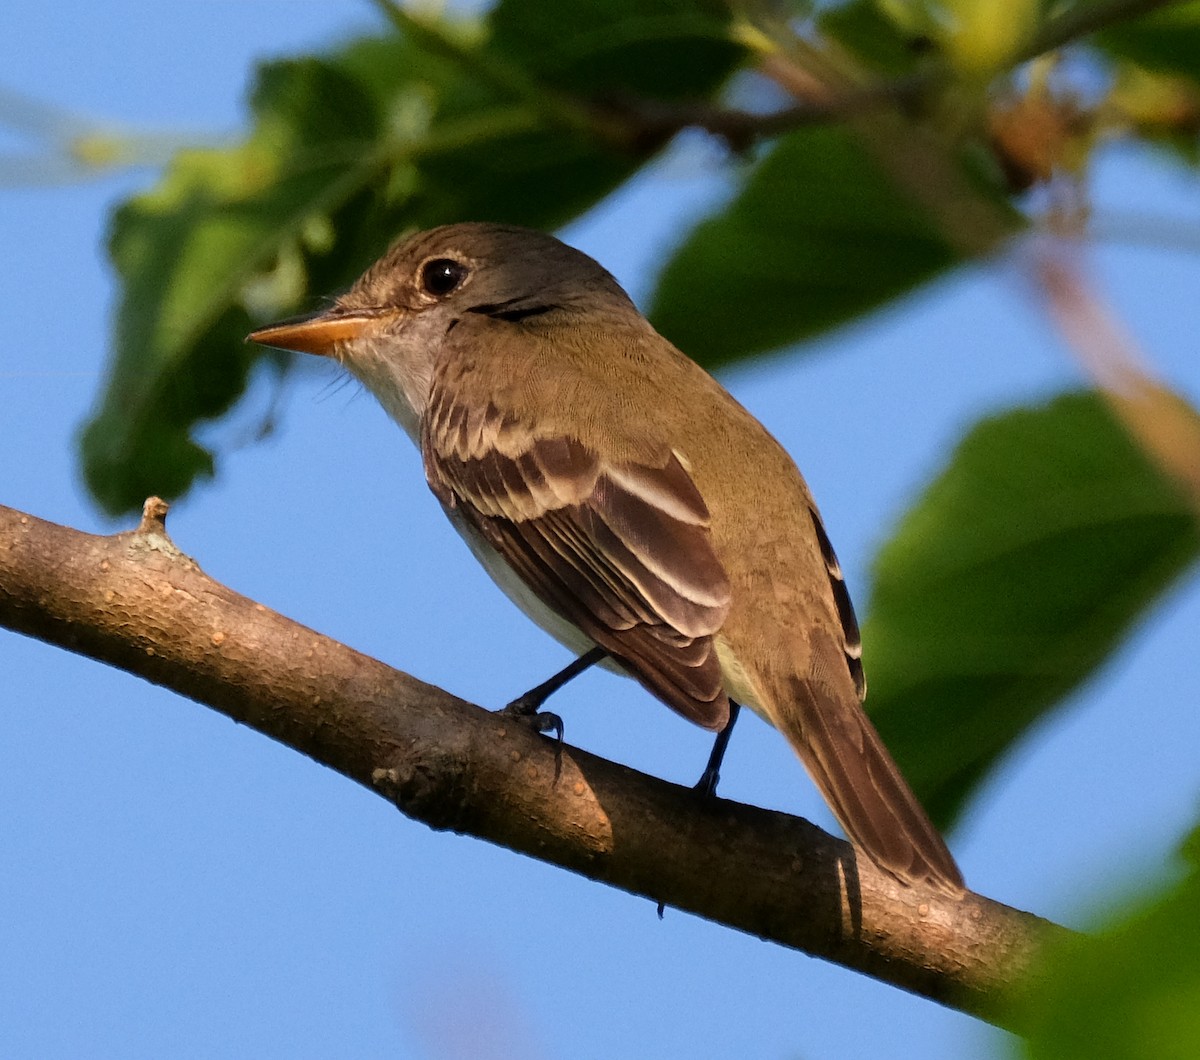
<point x="521" y="710"/>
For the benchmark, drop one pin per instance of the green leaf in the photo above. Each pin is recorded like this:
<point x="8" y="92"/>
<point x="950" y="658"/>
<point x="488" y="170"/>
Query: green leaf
<point x="1189" y="849"/>
<point x="658" y="49"/>
<point x="188" y="251"/>
<point x="1009" y="582"/>
<point x="817" y="236"/>
<point x="865" y="28"/>
<point x="404" y="131"/>
<point x="1166" y="41"/>
<point x="1130" y="992"/>
<point x="608" y="50"/>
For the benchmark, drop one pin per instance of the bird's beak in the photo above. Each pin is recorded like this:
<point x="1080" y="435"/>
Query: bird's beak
<point x="321" y="333"/>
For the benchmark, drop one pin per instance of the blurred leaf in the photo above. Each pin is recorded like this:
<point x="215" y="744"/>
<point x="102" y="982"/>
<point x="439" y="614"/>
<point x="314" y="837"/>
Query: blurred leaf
<point x="1166" y="41"/>
<point x="982" y="37"/>
<point x="890" y="46"/>
<point x="817" y="236"/>
<point x="1131" y="992"/>
<point x="184" y="251"/>
<point x="608" y="49"/>
<point x="661" y="49"/>
<point x="1163" y="109"/>
<point x="1010" y="580"/>
<point x="345" y="152"/>
<point x="1189" y="849"/>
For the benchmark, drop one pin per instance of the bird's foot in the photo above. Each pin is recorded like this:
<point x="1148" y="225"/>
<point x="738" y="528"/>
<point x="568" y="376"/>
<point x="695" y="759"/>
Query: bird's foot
<point x="527" y="706"/>
<point x="525" y="710"/>
<point x="707" y="784"/>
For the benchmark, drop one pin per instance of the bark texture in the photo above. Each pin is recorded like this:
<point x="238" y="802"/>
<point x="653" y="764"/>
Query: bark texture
<point x="133" y="600"/>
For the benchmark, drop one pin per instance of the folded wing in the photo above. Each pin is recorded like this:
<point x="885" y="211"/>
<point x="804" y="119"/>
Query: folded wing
<point x="622" y="551"/>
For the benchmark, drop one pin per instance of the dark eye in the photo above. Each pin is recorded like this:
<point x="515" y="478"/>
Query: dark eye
<point x="442" y="275"/>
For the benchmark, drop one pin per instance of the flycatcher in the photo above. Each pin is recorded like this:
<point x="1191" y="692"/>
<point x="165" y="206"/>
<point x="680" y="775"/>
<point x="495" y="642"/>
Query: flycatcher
<point x="625" y="500"/>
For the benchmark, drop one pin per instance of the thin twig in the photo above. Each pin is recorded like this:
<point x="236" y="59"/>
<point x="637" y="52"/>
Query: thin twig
<point x="1159" y="421"/>
<point x="507" y="79"/>
<point x="1081" y="19"/>
<point x="652" y="122"/>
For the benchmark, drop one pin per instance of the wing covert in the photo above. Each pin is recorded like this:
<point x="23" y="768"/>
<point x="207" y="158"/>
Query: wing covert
<point x="623" y="551"/>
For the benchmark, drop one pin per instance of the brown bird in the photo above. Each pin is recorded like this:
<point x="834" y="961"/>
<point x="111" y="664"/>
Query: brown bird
<point x="624" y="500"/>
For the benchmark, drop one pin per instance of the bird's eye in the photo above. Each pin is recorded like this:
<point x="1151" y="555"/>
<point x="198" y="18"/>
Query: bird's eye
<point x="442" y="275"/>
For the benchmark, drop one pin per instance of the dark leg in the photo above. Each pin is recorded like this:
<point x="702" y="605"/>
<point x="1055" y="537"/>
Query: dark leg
<point x="531" y="702"/>
<point x="525" y="708"/>
<point x="707" y="784"/>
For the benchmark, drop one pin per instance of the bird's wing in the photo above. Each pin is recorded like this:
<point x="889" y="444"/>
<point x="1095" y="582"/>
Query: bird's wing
<point x="622" y="551"/>
<point x="851" y="640"/>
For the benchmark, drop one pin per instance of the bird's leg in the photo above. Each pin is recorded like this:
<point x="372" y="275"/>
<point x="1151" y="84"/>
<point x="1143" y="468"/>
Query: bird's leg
<point x="707" y="784"/>
<point x="526" y="707"/>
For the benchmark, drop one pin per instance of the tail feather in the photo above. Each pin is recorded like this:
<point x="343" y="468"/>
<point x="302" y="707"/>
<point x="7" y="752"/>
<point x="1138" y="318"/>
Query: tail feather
<point x="862" y="784"/>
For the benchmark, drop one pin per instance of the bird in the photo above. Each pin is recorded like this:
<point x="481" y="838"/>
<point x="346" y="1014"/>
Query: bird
<point x="624" y="500"/>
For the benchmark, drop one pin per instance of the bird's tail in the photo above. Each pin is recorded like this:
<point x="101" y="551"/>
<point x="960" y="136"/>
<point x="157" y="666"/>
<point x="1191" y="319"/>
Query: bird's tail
<point x="820" y="714"/>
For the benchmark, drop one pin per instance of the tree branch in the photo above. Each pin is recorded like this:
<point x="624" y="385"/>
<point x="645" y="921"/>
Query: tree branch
<point x="1081" y="20"/>
<point x="645" y="124"/>
<point x="135" y="601"/>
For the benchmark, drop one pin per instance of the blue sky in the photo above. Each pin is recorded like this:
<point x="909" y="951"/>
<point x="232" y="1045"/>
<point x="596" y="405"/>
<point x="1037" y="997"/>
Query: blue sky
<point x="174" y="884"/>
